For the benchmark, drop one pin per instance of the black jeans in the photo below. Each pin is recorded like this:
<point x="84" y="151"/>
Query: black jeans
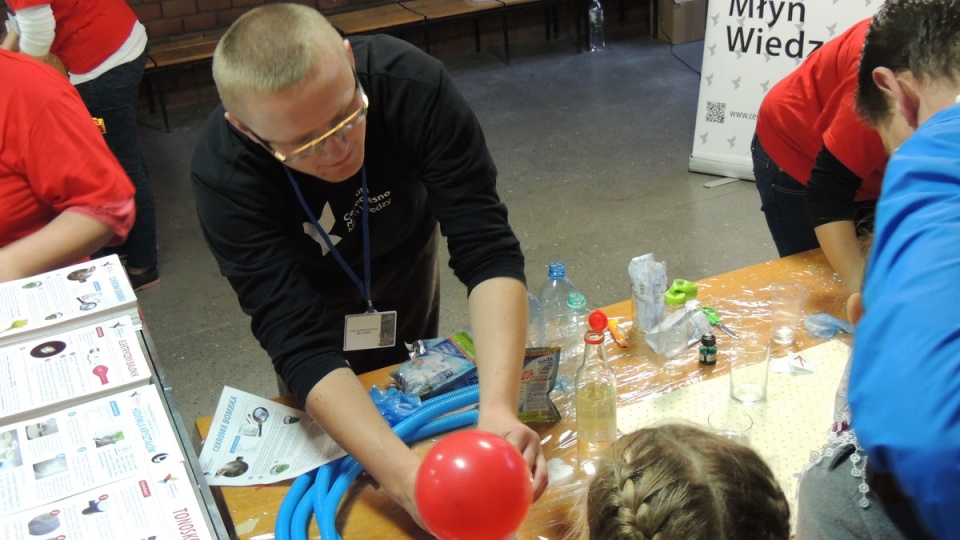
<point x="113" y="97"/>
<point x="783" y="201"/>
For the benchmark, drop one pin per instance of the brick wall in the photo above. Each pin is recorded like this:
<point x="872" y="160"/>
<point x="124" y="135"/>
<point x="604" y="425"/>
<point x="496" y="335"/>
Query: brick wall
<point x="166" y="19"/>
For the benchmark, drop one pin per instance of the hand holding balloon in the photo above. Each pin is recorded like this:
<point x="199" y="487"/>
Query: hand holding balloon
<point x="473" y="485"/>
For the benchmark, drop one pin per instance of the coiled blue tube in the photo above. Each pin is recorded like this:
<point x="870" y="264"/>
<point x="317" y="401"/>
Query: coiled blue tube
<point x="288" y="506"/>
<point x="436" y="407"/>
<point x="404" y="429"/>
<point x="327" y="519"/>
<point x="447" y="423"/>
<point x="324" y="499"/>
<point x="301" y="515"/>
<point x="321" y="485"/>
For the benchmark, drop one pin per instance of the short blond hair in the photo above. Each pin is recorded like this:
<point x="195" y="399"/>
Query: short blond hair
<point x="269" y="49"/>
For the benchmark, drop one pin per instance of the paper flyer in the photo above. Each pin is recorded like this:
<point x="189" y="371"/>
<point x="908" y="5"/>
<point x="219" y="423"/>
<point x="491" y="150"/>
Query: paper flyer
<point x="156" y="504"/>
<point x="66" y="298"/>
<point x="48" y="458"/>
<point x="62" y="369"/>
<point x="254" y="440"/>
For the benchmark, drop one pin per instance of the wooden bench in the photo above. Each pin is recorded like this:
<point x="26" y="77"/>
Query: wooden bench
<point x="550" y="17"/>
<point x="374" y="19"/>
<point x="426" y="13"/>
<point x="435" y="11"/>
<point x="178" y="55"/>
<point x="187" y="53"/>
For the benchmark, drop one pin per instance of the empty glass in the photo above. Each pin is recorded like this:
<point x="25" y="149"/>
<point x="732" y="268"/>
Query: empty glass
<point x="749" y="366"/>
<point x="786" y="303"/>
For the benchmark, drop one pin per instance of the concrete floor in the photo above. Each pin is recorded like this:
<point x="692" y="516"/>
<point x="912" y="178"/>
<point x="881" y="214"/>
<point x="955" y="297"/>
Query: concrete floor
<point x="592" y="151"/>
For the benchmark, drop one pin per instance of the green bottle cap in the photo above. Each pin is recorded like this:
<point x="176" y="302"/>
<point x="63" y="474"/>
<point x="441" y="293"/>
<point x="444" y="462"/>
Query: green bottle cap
<point x="679" y="292"/>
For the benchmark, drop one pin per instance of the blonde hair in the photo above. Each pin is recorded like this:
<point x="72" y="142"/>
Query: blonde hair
<point x="270" y="48"/>
<point x="678" y="481"/>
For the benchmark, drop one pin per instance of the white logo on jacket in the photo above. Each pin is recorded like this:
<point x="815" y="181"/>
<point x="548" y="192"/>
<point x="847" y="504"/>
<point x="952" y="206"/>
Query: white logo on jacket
<point x="327" y="221"/>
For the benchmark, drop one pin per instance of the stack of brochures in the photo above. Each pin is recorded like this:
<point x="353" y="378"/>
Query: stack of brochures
<point x="87" y="447"/>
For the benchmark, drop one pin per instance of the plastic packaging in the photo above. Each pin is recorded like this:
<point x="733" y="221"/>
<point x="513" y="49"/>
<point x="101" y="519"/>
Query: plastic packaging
<point x="674" y="329"/>
<point x="438" y="366"/>
<point x="595" y="16"/>
<point x="539" y="376"/>
<point x="394" y="405"/>
<point x="553" y="298"/>
<point x="826" y="326"/>
<point x="648" y="282"/>
<point x="596" y="397"/>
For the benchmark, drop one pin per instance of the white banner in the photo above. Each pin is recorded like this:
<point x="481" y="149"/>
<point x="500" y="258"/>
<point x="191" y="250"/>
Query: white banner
<point x="749" y="45"/>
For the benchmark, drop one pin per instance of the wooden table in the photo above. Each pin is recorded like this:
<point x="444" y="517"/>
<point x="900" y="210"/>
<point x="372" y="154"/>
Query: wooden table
<point x="740" y="297"/>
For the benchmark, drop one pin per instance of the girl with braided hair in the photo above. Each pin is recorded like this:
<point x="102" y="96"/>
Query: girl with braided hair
<point x="679" y="482"/>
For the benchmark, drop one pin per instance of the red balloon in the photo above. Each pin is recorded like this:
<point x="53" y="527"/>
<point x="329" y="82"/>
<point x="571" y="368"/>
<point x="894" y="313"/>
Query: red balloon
<point x="473" y="485"/>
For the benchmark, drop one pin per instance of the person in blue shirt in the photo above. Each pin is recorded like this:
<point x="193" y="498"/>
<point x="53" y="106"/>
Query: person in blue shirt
<point x="905" y="377"/>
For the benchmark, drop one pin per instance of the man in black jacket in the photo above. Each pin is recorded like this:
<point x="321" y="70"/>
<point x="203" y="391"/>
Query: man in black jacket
<point x="310" y="122"/>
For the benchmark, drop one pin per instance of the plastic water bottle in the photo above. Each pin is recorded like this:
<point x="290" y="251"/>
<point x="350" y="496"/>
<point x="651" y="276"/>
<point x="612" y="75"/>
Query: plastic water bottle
<point x="536" y="331"/>
<point x="596" y="397"/>
<point x="575" y="327"/>
<point x="553" y="298"/>
<point x="595" y="15"/>
<point x="673" y="332"/>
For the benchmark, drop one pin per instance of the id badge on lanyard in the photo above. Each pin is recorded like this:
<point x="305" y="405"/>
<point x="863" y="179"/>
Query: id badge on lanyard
<point x="370" y="330"/>
<point x="373" y="329"/>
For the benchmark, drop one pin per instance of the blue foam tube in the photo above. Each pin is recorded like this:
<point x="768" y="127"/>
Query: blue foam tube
<point x="327" y="520"/>
<point x="437" y="406"/>
<point x="404" y="429"/>
<point x="321" y="486"/>
<point x="324" y="498"/>
<point x="301" y="516"/>
<point x="290" y="501"/>
<point x="447" y="423"/>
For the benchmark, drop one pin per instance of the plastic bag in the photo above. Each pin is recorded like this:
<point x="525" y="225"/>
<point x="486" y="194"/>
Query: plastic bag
<point x="439" y="366"/>
<point x="394" y="405"/>
<point x="538" y="378"/>
<point x="826" y="326"/>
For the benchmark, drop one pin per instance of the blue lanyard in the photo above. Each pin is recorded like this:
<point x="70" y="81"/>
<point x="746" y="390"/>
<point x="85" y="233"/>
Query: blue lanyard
<point x="365" y="286"/>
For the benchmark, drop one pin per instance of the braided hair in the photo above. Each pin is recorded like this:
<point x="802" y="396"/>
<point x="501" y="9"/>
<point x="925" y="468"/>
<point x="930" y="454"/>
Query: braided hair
<point x="680" y="482"/>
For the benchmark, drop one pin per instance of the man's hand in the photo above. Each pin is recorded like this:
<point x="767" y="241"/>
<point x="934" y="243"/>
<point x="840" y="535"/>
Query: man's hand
<point x="524" y="439"/>
<point x="342" y="406"/>
<point x="498" y="315"/>
<point x="404" y="496"/>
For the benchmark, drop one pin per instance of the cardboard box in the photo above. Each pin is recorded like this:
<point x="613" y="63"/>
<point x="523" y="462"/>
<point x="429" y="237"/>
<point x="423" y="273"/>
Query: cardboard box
<point x="681" y="21"/>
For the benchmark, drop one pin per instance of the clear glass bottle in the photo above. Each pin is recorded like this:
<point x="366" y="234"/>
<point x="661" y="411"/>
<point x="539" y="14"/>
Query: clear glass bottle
<point x="553" y="296"/>
<point x="596" y="407"/>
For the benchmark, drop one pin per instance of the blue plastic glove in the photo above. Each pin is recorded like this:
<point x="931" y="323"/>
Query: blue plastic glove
<point x="826" y="326"/>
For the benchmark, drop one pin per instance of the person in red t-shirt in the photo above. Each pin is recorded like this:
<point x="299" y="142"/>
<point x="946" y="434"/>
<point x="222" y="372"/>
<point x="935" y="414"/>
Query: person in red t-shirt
<point x="102" y="47"/>
<point x="818" y="166"/>
<point x="54" y="212"/>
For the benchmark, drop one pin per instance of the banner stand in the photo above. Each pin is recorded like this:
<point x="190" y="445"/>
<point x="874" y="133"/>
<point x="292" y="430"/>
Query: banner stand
<point x="749" y="45"/>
